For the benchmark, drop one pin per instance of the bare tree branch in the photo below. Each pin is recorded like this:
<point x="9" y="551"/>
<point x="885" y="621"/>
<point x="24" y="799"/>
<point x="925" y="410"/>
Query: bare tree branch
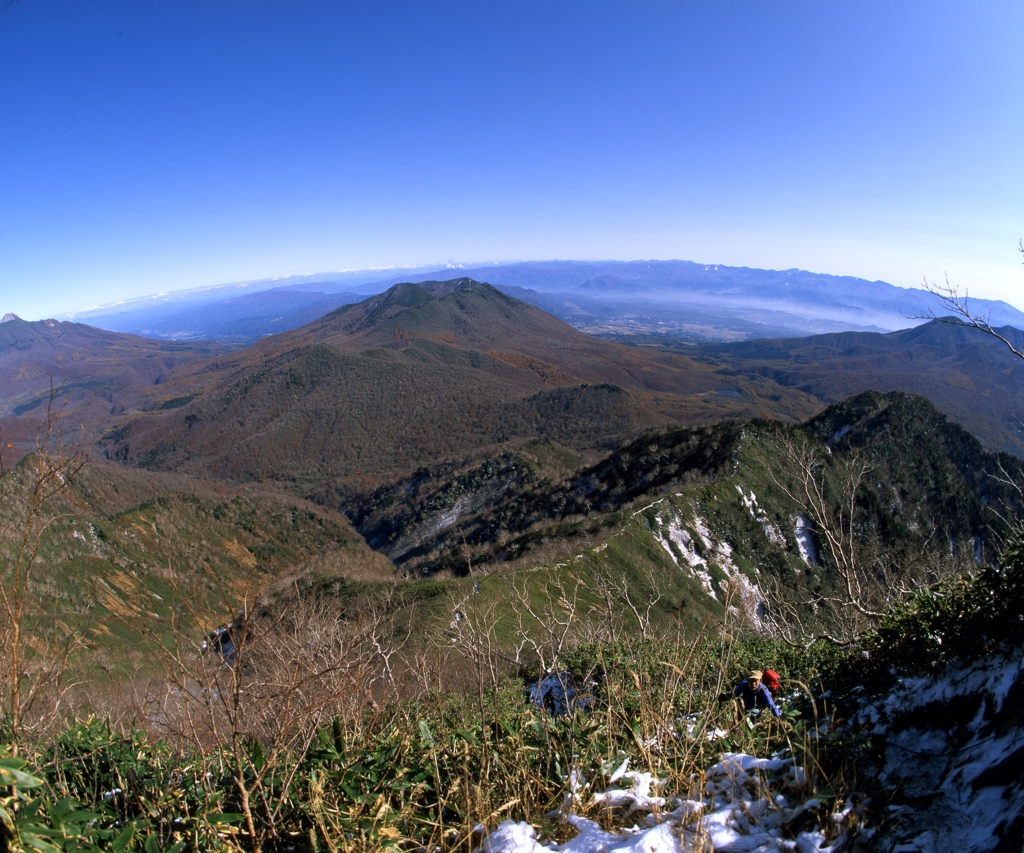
<point x="960" y="310"/>
<point x="32" y="667"/>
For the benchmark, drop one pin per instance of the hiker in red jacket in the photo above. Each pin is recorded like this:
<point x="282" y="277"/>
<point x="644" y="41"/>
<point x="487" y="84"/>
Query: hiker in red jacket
<point x="754" y="693"/>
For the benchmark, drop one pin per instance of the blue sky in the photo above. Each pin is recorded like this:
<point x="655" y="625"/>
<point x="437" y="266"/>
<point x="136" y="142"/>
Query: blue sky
<point x="159" y="146"/>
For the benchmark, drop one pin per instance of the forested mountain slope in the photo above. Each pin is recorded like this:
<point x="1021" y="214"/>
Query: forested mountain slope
<point x="971" y="377"/>
<point x="93" y="375"/>
<point x="421" y="375"/>
<point x="123" y="555"/>
<point x="723" y="499"/>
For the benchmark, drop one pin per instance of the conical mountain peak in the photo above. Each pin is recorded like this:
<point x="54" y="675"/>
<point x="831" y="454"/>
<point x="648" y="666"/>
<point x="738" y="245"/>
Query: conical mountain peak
<point x="412" y="295"/>
<point x="462" y="310"/>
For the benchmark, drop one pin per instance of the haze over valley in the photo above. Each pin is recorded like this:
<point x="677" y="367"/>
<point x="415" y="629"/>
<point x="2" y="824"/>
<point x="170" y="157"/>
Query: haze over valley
<point x="511" y="427"/>
<point x="680" y="299"/>
<point x="419" y="389"/>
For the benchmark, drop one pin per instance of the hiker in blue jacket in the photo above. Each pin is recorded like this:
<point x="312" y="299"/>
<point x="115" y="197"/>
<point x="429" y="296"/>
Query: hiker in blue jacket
<point x="753" y="693"/>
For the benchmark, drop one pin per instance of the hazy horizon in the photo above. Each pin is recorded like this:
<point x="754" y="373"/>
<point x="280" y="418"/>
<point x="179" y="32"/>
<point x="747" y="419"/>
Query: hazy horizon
<point x="361" y="278"/>
<point x="155" y="149"/>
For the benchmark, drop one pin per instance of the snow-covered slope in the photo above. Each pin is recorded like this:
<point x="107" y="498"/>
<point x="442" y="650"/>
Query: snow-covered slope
<point x="952" y="755"/>
<point x="745" y="804"/>
<point x="947" y="751"/>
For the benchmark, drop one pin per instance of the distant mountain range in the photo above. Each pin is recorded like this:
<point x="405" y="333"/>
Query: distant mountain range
<point x="679" y="298"/>
<point x="420" y="374"/>
<point x="969" y="376"/>
<point x="457" y="370"/>
<point x="87" y="375"/>
<point x="239" y="321"/>
<point x="445" y="415"/>
<point x="452" y="422"/>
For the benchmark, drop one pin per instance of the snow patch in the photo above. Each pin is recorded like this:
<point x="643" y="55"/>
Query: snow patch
<point x="748" y="598"/>
<point x="951" y="749"/>
<point x="739" y="807"/>
<point x="805" y="540"/>
<point x="680" y="541"/>
<point x="976" y="548"/>
<point x="702" y="531"/>
<point x="636" y="797"/>
<point x="448" y="518"/>
<point x="761" y="517"/>
<point x="677" y="535"/>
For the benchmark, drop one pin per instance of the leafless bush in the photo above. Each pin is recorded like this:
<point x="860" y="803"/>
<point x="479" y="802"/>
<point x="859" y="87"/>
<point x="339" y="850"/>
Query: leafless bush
<point x="868" y="576"/>
<point x="958" y="306"/>
<point x="34" y="645"/>
<point x="549" y="616"/>
<point x="252" y="695"/>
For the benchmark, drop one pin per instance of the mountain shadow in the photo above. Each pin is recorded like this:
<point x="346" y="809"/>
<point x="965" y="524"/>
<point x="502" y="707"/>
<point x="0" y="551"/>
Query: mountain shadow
<point x="930" y="488"/>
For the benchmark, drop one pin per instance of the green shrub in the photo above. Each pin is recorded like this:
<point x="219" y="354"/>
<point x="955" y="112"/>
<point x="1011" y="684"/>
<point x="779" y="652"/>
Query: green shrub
<point x="960" y="619"/>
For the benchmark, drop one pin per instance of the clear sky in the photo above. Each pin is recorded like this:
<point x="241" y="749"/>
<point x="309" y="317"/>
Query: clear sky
<point x="158" y="146"/>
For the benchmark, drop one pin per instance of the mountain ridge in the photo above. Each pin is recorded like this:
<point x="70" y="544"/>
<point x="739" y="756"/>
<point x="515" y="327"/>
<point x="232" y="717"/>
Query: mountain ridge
<point x="464" y="367"/>
<point x="730" y="303"/>
<point x="83" y="374"/>
<point x="931" y="486"/>
<point x="519" y="350"/>
<point x="969" y="376"/>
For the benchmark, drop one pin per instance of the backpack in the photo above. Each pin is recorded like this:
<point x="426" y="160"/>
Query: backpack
<point x="770" y="679"/>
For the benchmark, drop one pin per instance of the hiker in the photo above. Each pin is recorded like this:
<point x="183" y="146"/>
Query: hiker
<point x="754" y="693"/>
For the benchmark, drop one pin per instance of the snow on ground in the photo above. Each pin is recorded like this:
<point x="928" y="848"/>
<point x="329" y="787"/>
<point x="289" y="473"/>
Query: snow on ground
<point x="747" y="598"/>
<point x="950" y="752"/>
<point x="703" y="532"/>
<point x="805" y="540"/>
<point x="743" y="597"/>
<point x="677" y="535"/>
<point x="447" y="518"/>
<point x="745" y="805"/>
<point x="953" y="755"/>
<point x="761" y="517"/>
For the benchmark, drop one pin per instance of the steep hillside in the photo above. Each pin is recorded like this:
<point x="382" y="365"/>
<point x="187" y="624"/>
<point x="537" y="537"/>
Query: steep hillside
<point x="706" y="514"/>
<point x="127" y="548"/>
<point x="423" y="375"/>
<point x="971" y="377"/>
<point x="907" y="741"/>
<point x="912" y="746"/>
<point x="94" y="375"/>
<point x="431" y="415"/>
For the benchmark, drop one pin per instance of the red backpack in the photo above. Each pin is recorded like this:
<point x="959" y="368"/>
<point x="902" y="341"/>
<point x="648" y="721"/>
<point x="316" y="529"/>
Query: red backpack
<point x="770" y="679"/>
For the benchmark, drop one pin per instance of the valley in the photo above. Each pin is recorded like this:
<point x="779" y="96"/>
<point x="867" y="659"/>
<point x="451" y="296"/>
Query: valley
<point x="511" y="428"/>
<point x="453" y="430"/>
<point x="128" y="553"/>
<point x="694" y="300"/>
<point x="425" y="374"/>
<point x="440" y="492"/>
